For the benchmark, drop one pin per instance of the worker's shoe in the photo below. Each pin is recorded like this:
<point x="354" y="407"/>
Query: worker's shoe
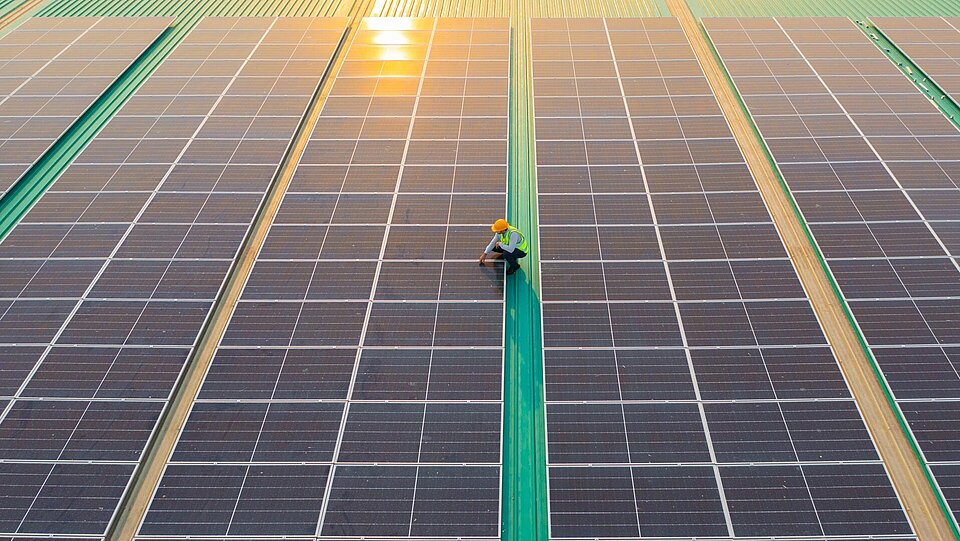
<point x="513" y="268"/>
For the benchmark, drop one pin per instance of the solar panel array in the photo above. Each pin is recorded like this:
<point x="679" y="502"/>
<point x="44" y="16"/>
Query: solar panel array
<point x="51" y="70"/>
<point x="932" y="43"/>
<point x="679" y="404"/>
<point x="873" y="166"/>
<point x="109" y="278"/>
<point x="357" y="389"/>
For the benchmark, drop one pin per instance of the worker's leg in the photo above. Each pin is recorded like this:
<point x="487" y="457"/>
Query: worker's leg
<point x="511" y="259"/>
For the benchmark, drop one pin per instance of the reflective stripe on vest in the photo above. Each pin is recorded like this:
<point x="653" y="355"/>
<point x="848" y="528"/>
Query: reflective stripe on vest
<point x="505" y="238"/>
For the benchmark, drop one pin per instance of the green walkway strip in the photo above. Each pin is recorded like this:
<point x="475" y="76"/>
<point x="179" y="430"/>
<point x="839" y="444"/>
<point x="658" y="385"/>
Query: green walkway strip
<point x="524" y="514"/>
<point x="524" y="432"/>
<point x="887" y="391"/>
<point x="941" y="99"/>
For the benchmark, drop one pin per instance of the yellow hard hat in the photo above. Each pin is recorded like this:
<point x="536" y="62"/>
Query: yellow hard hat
<point x="499" y="226"/>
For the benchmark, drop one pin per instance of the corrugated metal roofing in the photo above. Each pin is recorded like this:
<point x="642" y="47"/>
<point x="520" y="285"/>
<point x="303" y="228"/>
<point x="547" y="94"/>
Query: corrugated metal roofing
<point x="823" y="8"/>
<point x="6" y="6"/>
<point x="381" y="8"/>
<point x="190" y="10"/>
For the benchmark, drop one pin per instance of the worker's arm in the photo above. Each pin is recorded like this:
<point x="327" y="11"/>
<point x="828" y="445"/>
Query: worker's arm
<point x="489" y="248"/>
<point x="492" y="245"/>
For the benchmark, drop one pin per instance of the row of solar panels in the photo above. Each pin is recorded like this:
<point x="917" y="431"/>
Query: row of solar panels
<point x="357" y="389"/>
<point x="873" y="166"/>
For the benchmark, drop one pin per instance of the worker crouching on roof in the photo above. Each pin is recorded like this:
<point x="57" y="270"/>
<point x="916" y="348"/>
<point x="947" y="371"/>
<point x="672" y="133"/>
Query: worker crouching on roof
<point x="507" y="242"/>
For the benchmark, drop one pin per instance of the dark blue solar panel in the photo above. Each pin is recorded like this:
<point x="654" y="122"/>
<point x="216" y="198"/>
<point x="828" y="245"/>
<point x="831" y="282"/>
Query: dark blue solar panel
<point x="679" y="404"/>
<point x="872" y="165"/>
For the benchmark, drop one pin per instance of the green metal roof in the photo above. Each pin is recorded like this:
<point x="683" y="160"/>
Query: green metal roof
<point x="383" y="8"/>
<point x="520" y="9"/>
<point x="191" y="10"/>
<point x="854" y="9"/>
<point x="6" y="6"/>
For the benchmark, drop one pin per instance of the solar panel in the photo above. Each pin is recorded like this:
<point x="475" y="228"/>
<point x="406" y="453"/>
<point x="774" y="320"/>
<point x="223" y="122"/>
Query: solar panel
<point x="357" y="388"/>
<point x="872" y="165"/>
<point x="109" y="279"/>
<point x="932" y="43"/>
<point x="51" y="70"/>
<point x="679" y="405"/>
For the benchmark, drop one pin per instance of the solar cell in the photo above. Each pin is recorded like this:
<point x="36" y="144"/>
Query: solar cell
<point x="52" y="71"/>
<point x="365" y="355"/>
<point x="678" y="403"/>
<point x="116" y="268"/>
<point x="876" y="182"/>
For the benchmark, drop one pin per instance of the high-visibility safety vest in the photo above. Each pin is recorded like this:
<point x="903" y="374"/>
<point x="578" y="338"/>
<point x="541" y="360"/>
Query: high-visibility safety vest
<point x="505" y="238"/>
